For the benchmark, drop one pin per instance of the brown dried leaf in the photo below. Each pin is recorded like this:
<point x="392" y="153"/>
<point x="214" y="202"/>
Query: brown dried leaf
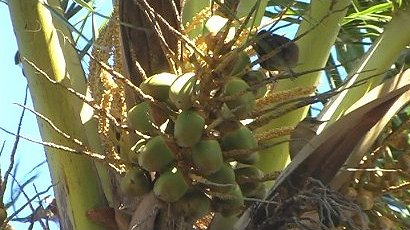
<point x="327" y="152"/>
<point x="145" y="216"/>
<point x="400" y="82"/>
<point x="104" y="216"/>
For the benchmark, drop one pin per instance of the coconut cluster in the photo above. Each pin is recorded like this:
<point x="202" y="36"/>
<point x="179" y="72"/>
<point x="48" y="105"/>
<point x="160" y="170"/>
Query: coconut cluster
<point x="200" y="155"/>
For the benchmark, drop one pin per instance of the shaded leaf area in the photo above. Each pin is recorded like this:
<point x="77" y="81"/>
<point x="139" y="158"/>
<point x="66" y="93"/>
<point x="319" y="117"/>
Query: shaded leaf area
<point x="324" y="155"/>
<point x="312" y="205"/>
<point x="376" y="175"/>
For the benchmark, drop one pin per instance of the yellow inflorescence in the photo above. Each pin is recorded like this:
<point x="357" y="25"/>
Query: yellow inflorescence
<point x="112" y="98"/>
<point x="275" y="97"/>
<point x="198" y="19"/>
<point x="278" y="132"/>
<point x="105" y="89"/>
<point x="100" y="52"/>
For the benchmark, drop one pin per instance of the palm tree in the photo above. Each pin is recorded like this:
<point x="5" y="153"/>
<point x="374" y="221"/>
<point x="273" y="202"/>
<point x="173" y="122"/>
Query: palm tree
<point x="154" y="136"/>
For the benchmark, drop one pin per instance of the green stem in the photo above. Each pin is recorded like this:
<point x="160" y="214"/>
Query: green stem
<point x="246" y="5"/>
<point x="314" y="49"/>
<point x="378" y="59"/>
<point x="78" y="82"/>
<point x="190" y="9"/>
<point x="76" y="182"/>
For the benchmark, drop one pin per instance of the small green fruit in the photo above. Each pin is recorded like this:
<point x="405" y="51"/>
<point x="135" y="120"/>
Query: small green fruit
<point x="156" y="155"/>
<point x="260" y="191"/>
<point x="188" y="128"/>
<point x="232" y="206"/>
<point x="135" y="182"/>
<point x="247" y="174"/>
<point x="144" y="116"/>
<point x="181" y="91"/>
<point x="251" y="189"/>
<point x="241" y="62"/>
<point x="225" y="177"/>
<point x="193" y="205"/>
<point x="255" y="191"/>
<point x="250" y="159"/>
<point x="170" y="186"/>
<point x="365" y="199"/>
<point x="248" y="180"/>
<point x="241" y="105"/>
<point x="254" y="78"/>
<point x="136" y="150"/>
<point x="207" y="156"/>
<point x="241" y="138"/>
<point x="158" y="85"/>
<point x="139" y="117"/>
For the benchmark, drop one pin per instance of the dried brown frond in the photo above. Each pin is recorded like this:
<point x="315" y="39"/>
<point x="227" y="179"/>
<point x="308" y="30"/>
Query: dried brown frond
<point x="314" y="206"/>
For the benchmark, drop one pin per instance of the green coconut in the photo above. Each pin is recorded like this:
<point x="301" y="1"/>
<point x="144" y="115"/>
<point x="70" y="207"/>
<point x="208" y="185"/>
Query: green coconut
<point x="181" y="90"/>
<point x="155" y="156"/>
<point x="232" y="204"/>
<point x="247" y="173"/>
<point x="135" y="182"/>
<point x="240" y="63"/>
<point x="170" y="186"/>
<point x="243" y="101"/>
<point x="188" y="128"/>
<point x="193" y="205"/>
<point x="224" y="179"/>
<point x="255" y="78"/>
<point x="207" y="156"/>
<point x="158" y="85"/>
<point x="145" y="116"/>
<point x="241" y="139"/>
